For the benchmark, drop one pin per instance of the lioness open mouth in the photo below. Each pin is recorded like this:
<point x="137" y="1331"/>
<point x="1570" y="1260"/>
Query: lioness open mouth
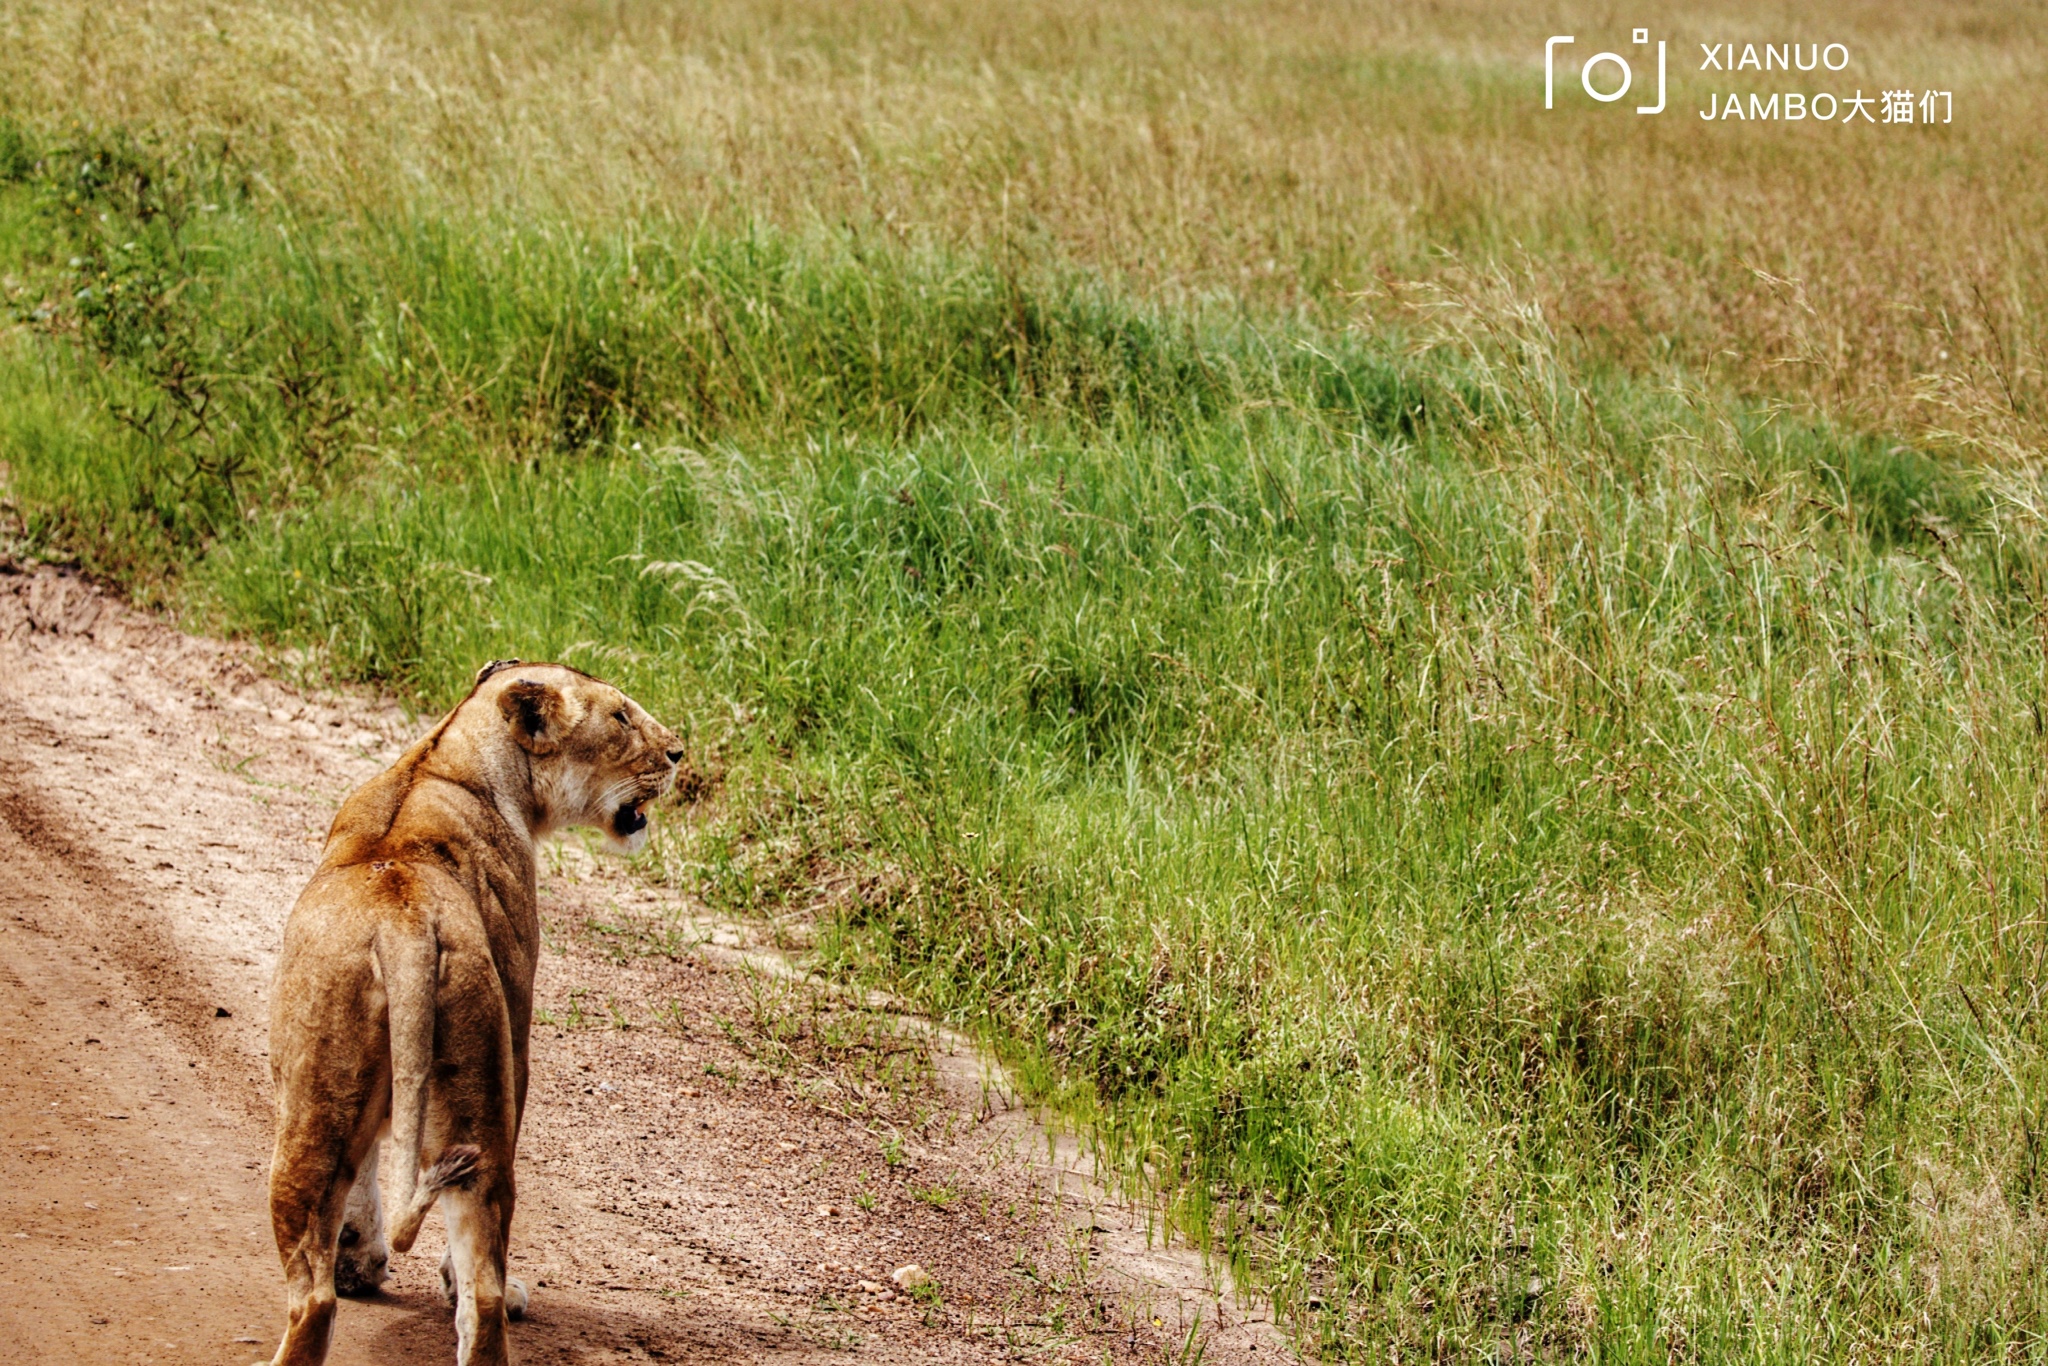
<point x="629" y="820"/>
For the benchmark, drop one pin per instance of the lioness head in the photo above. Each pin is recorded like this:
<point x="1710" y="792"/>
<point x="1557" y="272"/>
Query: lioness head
<point x="596" y="756"/>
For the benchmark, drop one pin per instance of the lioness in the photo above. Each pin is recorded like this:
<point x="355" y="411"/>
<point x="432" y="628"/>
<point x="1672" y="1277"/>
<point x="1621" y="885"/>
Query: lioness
<point x="405" y="989"/>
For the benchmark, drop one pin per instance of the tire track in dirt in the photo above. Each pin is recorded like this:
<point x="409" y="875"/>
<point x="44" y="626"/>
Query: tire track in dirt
<point x="161" y="803"/>
<point x="113" y="919"/>
<point x="131" y="1215"/>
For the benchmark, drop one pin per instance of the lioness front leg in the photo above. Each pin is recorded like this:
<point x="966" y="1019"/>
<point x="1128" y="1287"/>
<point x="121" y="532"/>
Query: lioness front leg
<point x="516" y="1293"/>
<point x="364" y="1255"/>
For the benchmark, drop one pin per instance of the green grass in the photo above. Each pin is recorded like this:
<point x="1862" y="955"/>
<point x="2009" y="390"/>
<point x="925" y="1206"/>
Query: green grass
<point x="1516" y="852"/>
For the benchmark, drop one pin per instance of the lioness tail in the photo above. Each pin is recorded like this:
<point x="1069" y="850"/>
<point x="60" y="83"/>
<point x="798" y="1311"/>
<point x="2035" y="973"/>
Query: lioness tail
<point x="409" y="957"/>
<point x="455" y="1167"/>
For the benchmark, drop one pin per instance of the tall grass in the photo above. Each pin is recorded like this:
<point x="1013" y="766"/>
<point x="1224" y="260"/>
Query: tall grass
<point x="1289" y="155"/>
<point x="1529" y="844"/>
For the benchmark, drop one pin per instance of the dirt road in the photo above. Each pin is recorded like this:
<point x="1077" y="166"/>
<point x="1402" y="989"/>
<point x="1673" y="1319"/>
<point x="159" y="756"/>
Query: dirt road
<point x="721" y="1161"/>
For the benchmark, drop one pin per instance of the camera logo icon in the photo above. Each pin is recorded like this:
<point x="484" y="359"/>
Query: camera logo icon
<point x="1599" y="63"/>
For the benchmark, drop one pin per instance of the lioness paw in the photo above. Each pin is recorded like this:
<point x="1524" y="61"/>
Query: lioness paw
<point x="362" y="1266"/>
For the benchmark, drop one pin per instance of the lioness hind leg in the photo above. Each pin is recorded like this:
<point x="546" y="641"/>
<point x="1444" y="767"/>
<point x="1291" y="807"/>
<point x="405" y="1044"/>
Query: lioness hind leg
<point x="307" y="1195"/>
<point x="365" y="1253"/>
<point x="478" y="1222"/>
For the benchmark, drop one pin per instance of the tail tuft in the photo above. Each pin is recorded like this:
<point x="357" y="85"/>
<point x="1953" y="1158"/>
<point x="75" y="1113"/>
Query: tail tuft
<point x="456" y="1167"/>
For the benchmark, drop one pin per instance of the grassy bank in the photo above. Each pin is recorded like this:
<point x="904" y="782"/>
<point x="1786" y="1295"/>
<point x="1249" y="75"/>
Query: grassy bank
<point x="1524" y="840"/>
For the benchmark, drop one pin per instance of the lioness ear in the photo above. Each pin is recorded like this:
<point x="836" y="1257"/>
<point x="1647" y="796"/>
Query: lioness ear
<point x="487" y="670"/>
<point x="536" y="713"/>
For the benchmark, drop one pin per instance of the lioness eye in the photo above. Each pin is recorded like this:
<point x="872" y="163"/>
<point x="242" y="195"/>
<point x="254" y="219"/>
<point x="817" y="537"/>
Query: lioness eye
<point x="620" y="716"/>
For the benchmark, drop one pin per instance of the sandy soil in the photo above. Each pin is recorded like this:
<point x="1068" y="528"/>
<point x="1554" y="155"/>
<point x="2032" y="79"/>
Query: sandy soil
<point x="722" y="1160"/>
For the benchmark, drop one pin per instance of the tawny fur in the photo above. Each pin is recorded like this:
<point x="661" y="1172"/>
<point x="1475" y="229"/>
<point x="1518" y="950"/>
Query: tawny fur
<point x="405" y="989"/>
